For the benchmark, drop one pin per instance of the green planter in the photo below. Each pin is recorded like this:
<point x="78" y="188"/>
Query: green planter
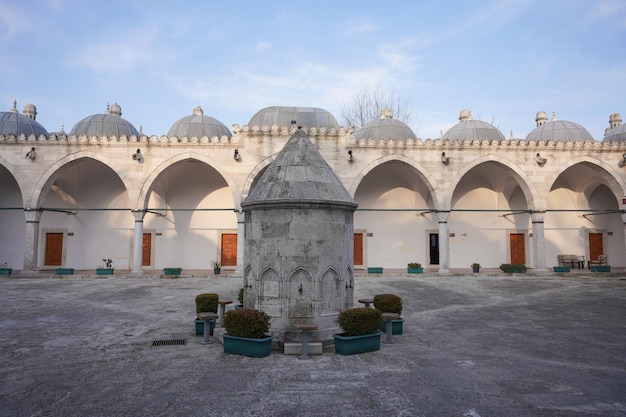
<point x="375" y="270"/>
<point x="104" y="271"/>
<point x="65" y="271"/>
<point x="245" y="346"/>
<point x="561" y="268"/>
<point x="600" y="268"/>
<point x="200" y="327"/>
<point x="396" y="326"/>
<point x="172" y="271"/>
<point x="6" y="271"/>
<point x="414" y="270"/>
<point x="351" y="345"/>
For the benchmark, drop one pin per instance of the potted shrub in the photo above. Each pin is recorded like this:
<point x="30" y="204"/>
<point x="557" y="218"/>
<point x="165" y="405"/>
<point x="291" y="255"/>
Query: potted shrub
<point x="205" y="303"/>
<point x="360" y="331"/>
<point x="107" y="269"/>
<point x="172" y="271"/>
<point x="414" y="268"/>
<point x="240" y="299"/>
<point x="4" y="270"/>
<point x="217" y="267"/>
<point x="246" y="333"/>
<point x="475" y="267"/>
<point x="513" y="268"/>
<point x="390" y="303"/>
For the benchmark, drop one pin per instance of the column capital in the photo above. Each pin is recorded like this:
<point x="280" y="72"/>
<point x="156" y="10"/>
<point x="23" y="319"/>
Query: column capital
<point x="138" y="214"/>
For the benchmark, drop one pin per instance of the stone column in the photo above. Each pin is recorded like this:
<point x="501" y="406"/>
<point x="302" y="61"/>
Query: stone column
<point x="241" y="230"/>
<point x="444" y="243"/>
<point x="31" y="249"/>
<point x="138" y="241"/>
<point x="539" y="240"/>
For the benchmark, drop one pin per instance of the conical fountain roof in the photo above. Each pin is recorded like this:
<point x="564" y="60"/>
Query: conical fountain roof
<point x="299" y="176"/>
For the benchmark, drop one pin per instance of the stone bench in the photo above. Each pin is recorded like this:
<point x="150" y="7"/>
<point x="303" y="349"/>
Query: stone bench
<point x="209" y="319"/>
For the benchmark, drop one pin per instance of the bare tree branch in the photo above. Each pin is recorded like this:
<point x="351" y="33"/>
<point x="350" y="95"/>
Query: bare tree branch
<point x="368" y="104"/>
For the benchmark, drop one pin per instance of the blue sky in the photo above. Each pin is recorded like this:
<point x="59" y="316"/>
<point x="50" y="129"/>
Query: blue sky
<point x="505" y="60"/>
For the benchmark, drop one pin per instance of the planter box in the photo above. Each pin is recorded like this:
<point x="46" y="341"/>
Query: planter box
<point x="414" y="270"/>
<point x="561" y="268"/>
<point x="104" y="271"/>
<point x="350" y="345"/>
<point x="172" y="271"/>
<point x="600" y="268"/>
<point x="6" y="271"/>
<point x="200" y="327"/>
<point x="238" y="306"/>
<point x="396" y="326"/>
<point x="245" y="346"/>
<point x="375" y="270"/>
<point x="65" y="271"/>
<point x="476" y="269"/>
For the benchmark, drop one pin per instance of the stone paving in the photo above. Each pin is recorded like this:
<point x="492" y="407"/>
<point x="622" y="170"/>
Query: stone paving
<point x="473" y="345"/>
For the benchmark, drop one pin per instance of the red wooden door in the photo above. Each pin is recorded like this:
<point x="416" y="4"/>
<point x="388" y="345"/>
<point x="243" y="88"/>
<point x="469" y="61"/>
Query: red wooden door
<point x="54" y="249"/>
<point x="358" y="249"/>
<point x="518" y="251"/>
<point x="146" y="249"/>
<point x="229" y="249"/>
<point x="595" y="246"/>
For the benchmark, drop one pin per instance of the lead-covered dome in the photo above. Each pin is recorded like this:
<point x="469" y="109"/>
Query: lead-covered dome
<point x="14" y="123"/>
<point x="198" y="125"/>
<point x="470" y="129"/>
<point x="109" y="123"/>
<point x="386" y="127"/>
<point x="299" y="116"/>
<point x="557" y="130"/>
<point x="616" y="133"/>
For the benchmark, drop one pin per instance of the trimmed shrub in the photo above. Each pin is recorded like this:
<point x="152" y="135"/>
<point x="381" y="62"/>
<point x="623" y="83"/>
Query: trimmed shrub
<point x="247" y="322"/>
<point x="207" y="303"/>
<point x="359" y="321"/>
<point x="510" y="268"/>
<point x="388" y="303"/>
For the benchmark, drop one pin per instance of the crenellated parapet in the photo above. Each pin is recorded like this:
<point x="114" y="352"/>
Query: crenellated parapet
<point x="288" y="131"/>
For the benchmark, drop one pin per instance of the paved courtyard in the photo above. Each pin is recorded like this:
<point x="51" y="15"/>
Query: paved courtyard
<point x="486" y="345"/>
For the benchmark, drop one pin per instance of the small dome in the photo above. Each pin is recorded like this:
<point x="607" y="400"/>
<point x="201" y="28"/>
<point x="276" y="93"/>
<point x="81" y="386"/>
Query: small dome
<point x="198" y="125"/>
<point x="616" y="135"/>
<point x="559" y="130"/>
<point x="14" y="123"/>
<point x="284" y="116"/>
<point x="470" y="129"/>
<point x="110" y="123"/>
<point x="385" y="127"/>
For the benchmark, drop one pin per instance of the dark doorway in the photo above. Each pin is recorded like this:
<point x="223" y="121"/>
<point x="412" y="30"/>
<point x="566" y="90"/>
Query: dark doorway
<point x="433" y="245"/>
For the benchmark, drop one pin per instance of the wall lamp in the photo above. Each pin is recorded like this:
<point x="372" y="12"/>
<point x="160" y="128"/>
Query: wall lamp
<point x="621" y="163"/>
<point x="539" y="160"/>
<point x="137" y="156"/>
<point x="445" y="159"/>
<point x="236" y="155"/>
<point x="32" y="154"/>
<point x="350" y="159"/>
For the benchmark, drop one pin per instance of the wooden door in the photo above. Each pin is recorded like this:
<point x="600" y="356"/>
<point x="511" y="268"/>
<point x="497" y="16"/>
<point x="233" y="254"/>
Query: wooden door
<point x="518" y="250"/>
<point x="54" y="249"/>
<point x="358" y="249"/>
<point x="229" y="249"/>
<point x="595" y="246"/>
<point x="146" y="250"/>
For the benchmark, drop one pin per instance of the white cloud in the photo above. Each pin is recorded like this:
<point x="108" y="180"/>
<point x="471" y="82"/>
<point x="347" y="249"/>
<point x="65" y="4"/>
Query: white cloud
<point x="13" y="22"/>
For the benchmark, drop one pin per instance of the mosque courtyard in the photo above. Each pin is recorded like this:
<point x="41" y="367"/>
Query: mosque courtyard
<point x="473" y="345"/>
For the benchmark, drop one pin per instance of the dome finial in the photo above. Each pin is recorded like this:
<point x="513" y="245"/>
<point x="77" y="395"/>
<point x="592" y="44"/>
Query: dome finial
<point x="14" y="109"/>
<point x="62" y="131"/>
<point x="197" y="111"/>
<point x="465" y="115"/>
<point x="108" y="107"/>
<point x="386" y="114"/>
<point x="554" y="119"/>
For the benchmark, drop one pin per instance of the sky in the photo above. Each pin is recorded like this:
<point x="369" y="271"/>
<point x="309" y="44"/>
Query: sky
<point x="505" y="60"/>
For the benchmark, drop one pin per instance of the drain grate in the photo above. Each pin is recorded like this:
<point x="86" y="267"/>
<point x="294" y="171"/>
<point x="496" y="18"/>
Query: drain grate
<point x="170" y="342"/>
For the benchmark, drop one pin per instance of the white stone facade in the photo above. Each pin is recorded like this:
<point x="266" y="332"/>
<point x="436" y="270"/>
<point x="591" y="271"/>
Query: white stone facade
<point x="444" y="203"/>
